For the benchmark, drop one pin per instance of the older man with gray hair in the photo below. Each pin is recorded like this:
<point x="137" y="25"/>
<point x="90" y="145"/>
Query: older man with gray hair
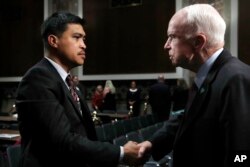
<point x="215" y="129"/>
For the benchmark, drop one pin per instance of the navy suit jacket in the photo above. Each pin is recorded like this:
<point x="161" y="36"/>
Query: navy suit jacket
<point x="53" y="131"/>
<point x="217" y="125"/>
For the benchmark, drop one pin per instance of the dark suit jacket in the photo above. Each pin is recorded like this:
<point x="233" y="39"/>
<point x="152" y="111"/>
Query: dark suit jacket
<point x="160" y="100"/>
<point x="53" y="131"/>
<point x="217" y="125"/>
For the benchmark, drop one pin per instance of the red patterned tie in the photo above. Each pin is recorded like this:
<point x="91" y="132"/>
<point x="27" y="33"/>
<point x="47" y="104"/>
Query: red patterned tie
<point x="72" y="88"/>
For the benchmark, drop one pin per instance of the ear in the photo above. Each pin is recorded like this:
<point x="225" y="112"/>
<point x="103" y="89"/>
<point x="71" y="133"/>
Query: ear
<point x="53" y="41"/>
<point x="200" y="41"/>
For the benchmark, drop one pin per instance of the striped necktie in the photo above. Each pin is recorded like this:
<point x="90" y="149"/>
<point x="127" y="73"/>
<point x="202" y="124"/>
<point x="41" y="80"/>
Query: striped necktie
<point x="72" y="88"/>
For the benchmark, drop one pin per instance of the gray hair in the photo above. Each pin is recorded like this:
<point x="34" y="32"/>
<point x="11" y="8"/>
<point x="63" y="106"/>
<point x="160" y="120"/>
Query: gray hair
<point x="205" y="19"/>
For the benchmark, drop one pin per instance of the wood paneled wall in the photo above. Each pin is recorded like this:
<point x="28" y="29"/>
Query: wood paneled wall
<point x="119" y="40"/>
<point x="244" y="31"/>
<point x="20" y="42"/>
<point x="127" y="39"/>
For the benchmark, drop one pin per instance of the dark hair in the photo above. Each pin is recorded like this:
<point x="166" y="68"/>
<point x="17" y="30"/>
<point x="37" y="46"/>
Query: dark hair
<point x="57" y="23"/>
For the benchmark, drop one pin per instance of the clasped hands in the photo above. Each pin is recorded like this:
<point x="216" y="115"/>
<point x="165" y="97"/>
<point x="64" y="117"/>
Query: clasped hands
<point x="136" y="153"/>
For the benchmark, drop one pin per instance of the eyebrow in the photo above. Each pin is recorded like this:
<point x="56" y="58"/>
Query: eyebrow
<point x="77" y="33"/>
<point x="80" y="34"/>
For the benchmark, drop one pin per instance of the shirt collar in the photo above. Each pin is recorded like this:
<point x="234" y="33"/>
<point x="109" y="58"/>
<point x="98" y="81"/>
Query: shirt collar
<point x="59" y="69"/>
<point x="133" y="90"/>
<point x="204" y="69"/>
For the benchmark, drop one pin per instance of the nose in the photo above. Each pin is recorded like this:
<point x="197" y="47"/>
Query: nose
<point x="167" y="45"/>
<point x="82" y="44"/>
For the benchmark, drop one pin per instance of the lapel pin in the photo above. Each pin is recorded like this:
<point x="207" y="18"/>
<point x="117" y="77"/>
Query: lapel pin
<point x="202" y="90"/>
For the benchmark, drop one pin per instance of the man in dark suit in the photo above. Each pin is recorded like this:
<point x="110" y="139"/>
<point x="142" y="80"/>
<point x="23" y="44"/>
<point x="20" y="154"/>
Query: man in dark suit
<point x="215" y="129"/>
<point x="160" y="99"/>
<point x="55" y="123"/>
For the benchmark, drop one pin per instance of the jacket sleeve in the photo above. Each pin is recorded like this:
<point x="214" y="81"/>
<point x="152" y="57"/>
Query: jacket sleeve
<point x="46" y="119"/>
<point x="235" y="116"/>
<point x="163" y="139"/>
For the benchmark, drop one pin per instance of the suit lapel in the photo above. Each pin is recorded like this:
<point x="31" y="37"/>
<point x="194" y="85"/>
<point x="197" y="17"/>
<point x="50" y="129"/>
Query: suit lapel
<point x="84" y="107"/>
<point x="51" y="68"/>
<point x="75" y="105"/>
<point x="84" y="114"/>
<point x="202" y="95"/>
<point x="87" y="118"/>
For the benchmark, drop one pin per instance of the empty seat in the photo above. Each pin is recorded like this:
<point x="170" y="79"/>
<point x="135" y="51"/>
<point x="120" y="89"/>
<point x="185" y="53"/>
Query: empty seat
<point x="13" y="126"/>
<point x="159" y="125"/>
<point x="135" y="122"/>
<point x="120" y="141"/>
<point x="120" y="111"/>
<point x="100" y="133"/>
<point x="147" y="132"/>
<point x="127" y="125"/>
<point x="143" y="121"/>
<point x="14" y="154"/>
<point x="134" y="136"/>
<point x="109" y="132"/>
<point x="165" y="161"/>
<point x="150" y="119"/>
<point x="2" y="159"/>
<point x="155" y="118"/>
<point x="108" y="111"/>
<point x="119" y="128"/>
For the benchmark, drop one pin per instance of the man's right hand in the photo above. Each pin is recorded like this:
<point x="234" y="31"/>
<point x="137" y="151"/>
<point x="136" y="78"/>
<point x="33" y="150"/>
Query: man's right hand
<point x="131" y="154"/>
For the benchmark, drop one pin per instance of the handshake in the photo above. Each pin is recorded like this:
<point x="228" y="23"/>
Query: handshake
<point x="136" y="153"/>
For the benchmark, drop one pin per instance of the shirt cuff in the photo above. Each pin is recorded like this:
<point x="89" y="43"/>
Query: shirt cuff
<point x="121" y="153"/>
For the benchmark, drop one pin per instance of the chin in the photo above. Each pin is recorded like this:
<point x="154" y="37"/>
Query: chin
<point x="80" y="62"/>
<point x="77" y="64"/>
<point x="173" y="62"/>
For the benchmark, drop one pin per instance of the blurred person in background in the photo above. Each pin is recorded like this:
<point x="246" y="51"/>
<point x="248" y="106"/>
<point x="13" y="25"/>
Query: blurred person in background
<point x="97" y="98"/>
<point x="109" y="97"/>
<point x="180" y="95"/>
<point x="134" y="99"/>
<point x="159" y="97"/>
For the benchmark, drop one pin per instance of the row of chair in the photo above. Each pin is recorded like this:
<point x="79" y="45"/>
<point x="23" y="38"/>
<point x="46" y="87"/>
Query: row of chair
<point x="14" y="151"/>
<point x="112" y="132"/>
<point x="140" y="136"/>
<point x="109" y="131"/>
<point x="12" y="126"/>
<point x="136" y="129"/>
<point x="10" y="158"/>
